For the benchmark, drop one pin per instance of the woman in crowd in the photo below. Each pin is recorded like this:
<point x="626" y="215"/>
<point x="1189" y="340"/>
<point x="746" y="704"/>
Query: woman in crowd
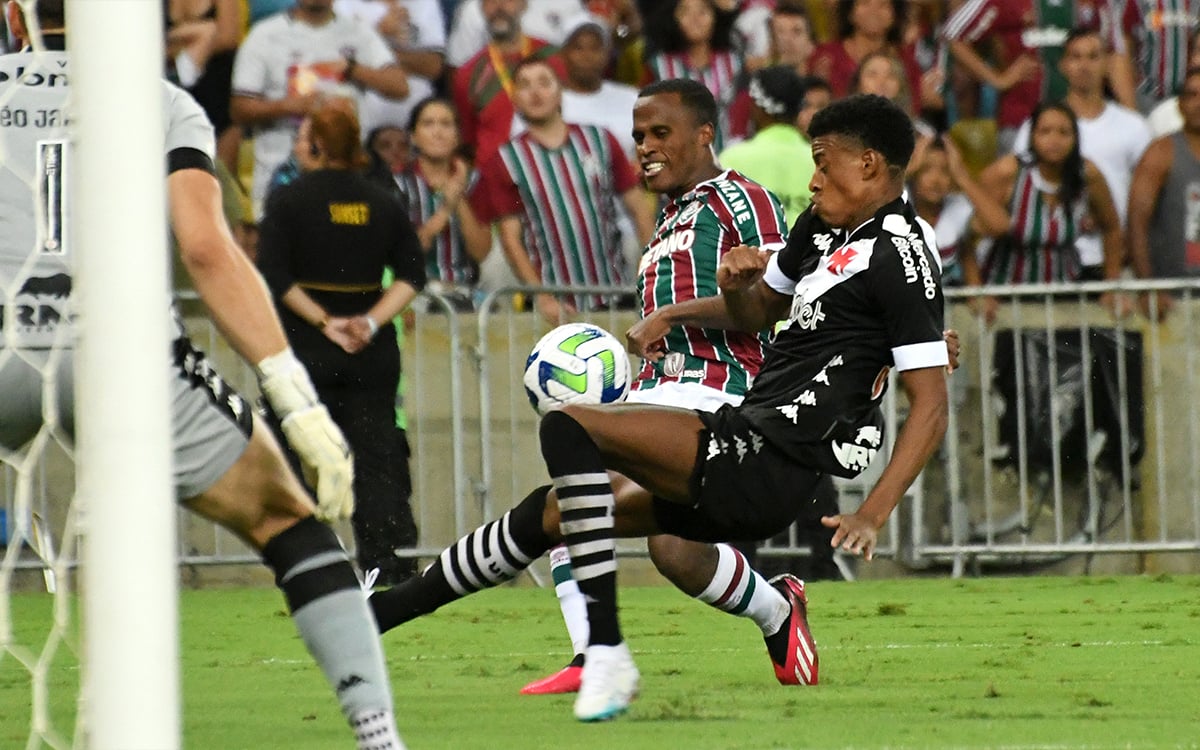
<point x="866" y="27"/>
<point x="1052" y="195"/>
<point x="882" y="74"/>
<point x="453" y="241"/>
<point x="326" y="239"/>
<point x="944" y="194"/>
<point x="694" y="39"/>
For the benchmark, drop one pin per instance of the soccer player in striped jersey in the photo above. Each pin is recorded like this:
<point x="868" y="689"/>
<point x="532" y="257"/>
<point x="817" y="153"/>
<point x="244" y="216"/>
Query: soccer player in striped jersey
<point x="553" y="191"/>
<point x="861" y="301"/>
<point x="227" y="467"/>
<point x="710" y="211"/>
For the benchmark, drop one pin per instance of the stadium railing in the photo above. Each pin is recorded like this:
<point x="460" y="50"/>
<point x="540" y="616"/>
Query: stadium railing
<point x="1071" y="434"/>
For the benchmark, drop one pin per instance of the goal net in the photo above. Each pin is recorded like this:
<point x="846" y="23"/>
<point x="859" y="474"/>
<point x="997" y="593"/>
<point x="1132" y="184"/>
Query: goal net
<point x="88" y="585"/>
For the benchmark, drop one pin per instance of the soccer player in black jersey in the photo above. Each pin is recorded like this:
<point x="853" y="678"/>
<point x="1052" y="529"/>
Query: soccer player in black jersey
<point x="859" y="287"/>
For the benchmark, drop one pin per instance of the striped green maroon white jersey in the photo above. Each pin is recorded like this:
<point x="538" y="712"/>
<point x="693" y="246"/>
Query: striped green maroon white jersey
<point x="447" y="260"/>
<point x="1161" y="30"/>
<point x="1040" y="244"/>
<point x="694" y="232"/>
<point x="566" y="198"/>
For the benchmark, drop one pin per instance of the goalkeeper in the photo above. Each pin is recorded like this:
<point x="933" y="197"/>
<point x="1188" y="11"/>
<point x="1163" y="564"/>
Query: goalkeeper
<point x="227" y="467"/>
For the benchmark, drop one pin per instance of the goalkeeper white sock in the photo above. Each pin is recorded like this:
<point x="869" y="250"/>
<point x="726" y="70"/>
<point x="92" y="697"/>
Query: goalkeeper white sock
<point x="334" y="622"/>
<point x="376" y="730"/>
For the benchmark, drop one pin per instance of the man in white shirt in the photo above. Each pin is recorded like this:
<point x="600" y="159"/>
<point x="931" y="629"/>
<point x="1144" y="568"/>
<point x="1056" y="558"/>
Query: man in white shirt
<point x="416" y="32"/>
<point x="542" y="19"/>
<point x="587" y="97"/>
<point x="1110" y="136"/>
<point x="292" y="60"/>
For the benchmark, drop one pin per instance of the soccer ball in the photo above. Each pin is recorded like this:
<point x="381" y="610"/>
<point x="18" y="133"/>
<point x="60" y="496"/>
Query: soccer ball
<point x="576" y="363"/>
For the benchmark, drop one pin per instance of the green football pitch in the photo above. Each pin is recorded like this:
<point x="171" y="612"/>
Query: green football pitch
<point x="978" y="663"/>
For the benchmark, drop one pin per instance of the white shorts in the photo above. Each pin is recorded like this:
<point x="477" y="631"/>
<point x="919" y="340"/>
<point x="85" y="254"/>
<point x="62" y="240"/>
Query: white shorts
<point x="685" y="396"/>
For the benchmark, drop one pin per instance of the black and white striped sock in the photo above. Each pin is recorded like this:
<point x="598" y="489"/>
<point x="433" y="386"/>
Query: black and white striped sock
<point x="586" y="506"/>
<point x="490" y="555"/>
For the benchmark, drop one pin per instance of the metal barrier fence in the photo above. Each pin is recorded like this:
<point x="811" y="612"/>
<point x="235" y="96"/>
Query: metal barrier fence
<point x="1072" y="433"/>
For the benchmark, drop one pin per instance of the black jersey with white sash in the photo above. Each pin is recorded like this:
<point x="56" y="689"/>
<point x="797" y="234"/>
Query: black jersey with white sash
<point x="863" y="302"/>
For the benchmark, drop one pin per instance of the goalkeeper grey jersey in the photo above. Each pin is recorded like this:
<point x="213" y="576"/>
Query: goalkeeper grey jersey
<point x="36" y="243"/>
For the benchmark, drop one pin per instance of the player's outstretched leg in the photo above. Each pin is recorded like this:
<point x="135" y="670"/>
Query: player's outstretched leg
<point x="586" y="507"/>
<point x="261" y="501"/>
<point x="574" y="612"/>
<point x="720" y="576"/>
<point x="492" y="554"/>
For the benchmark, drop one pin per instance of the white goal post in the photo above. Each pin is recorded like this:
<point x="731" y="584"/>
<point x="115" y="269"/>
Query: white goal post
<point x="131" y="688"/>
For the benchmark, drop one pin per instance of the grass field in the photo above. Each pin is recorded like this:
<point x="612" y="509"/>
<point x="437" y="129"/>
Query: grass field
<point x="980" y="663"/>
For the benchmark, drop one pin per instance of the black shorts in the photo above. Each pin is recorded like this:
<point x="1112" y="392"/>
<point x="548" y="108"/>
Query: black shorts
<point x="743" y="487"/>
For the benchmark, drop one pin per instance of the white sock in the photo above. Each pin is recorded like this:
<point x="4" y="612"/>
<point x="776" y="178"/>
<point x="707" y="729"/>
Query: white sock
<point x="741" y="590"/>
<point x="376" y="730"/>
<point x="570" y="599"/>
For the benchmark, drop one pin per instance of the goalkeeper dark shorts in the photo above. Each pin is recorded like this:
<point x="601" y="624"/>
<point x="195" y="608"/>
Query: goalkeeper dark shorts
<point x="210" y="422"/>
<point x="743" y="488"/>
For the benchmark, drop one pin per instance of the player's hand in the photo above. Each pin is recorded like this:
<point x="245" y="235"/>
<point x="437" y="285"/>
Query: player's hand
<point x="324" y="454"/>
<point x="953" y="348"/>
<point x="647" y="337"/>
<point x="741" y="267"/>
<point x="854" y="533"/>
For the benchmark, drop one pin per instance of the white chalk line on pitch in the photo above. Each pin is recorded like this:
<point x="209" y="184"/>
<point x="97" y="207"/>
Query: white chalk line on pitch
<point x="836" y="647"/>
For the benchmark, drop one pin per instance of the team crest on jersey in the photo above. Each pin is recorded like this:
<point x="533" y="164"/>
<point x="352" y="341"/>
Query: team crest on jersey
<point x="840" y="259"/>
<point x="672" y="364"/>
<point x="690" y="212"/>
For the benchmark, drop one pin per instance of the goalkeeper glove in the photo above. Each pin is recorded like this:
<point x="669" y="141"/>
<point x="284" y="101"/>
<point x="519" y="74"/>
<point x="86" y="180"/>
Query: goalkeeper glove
<point x="324" y="454"/>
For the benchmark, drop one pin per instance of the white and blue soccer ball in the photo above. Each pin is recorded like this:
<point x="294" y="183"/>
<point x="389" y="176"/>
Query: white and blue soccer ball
<point x="576" y="363"/>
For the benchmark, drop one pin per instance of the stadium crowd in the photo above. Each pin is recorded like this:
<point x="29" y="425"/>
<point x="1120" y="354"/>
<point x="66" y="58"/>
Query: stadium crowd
<point x="1035" y="119"/>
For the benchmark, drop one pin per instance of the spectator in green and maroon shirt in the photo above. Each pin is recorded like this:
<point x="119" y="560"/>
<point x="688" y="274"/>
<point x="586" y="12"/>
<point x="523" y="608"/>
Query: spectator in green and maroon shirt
<point x="483" y="86"/>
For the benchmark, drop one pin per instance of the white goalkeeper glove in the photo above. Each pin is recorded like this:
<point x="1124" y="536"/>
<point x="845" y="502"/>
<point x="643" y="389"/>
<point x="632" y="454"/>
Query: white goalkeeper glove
<point x="324" y="454"/>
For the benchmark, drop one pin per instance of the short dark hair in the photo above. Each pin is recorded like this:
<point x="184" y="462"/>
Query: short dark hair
<point x="873" y="121"/>
<point x="787" y="9"/>
<point x="692" y="94"/>
<point x="815" y="83"/>
<point x="531" y="61"/>
<point x="1079" y="32"/>
<point x="845" y="22"/>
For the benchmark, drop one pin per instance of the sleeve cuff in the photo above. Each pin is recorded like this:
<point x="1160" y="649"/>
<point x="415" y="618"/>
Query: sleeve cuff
<point x="776" y="278"/>
<point x="918" y="356"/>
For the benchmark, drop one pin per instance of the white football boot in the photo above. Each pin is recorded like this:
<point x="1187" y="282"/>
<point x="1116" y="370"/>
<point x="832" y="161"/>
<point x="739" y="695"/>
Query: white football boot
<point x="609" y="684"/>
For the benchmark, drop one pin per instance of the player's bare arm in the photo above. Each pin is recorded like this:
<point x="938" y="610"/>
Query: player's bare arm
<point x="230" y="286"/>
<point x="240" y="305"/>
<point x="919" y="437"/>
<point x="745" y="304"/>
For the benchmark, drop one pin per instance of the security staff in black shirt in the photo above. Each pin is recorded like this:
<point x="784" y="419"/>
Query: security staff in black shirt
<point x="325" y="241"/>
